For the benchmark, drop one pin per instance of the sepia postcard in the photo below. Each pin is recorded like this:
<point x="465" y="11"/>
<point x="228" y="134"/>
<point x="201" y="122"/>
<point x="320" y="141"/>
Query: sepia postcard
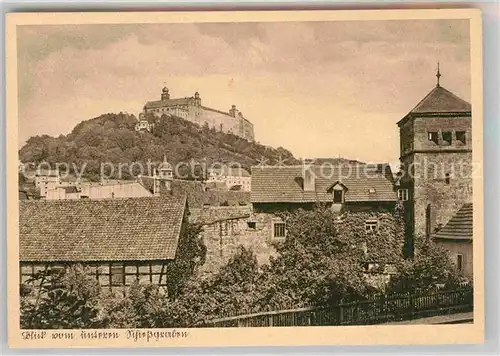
<point x="244" y="178"/>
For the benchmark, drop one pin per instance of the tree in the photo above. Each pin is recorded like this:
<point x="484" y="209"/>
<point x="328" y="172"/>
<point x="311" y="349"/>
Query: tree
<point x="430" y="267"/>
<point x="139" y="306"/>
<point x="315" y="265"/>
<point x="191" y="253"/>
<point x="228" y="292"/>
<point x="67" y="300"/>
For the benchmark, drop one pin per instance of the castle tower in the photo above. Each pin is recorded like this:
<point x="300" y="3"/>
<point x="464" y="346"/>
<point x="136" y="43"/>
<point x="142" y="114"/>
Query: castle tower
<point x="233" y="111"/>
<point x="197" y="99"/>
<point x="436" y="162"/>
<point x="165" y="173"/>
<point x="165" y="95"/>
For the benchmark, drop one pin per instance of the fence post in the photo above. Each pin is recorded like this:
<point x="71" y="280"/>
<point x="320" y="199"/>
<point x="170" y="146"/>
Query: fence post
<point x="341" y="313"/>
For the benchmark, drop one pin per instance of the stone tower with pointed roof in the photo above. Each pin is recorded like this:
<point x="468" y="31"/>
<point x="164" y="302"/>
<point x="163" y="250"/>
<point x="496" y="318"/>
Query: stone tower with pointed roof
<point x="436" y="162"/>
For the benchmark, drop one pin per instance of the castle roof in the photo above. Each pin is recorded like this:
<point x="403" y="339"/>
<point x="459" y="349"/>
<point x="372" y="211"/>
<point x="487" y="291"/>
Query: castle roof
<point x="100" y="230"/>
<point x="364" y="183"/>
<point x="437" y="102"/>
<point x="165" y="103"/>
<point x="459" y="227"/>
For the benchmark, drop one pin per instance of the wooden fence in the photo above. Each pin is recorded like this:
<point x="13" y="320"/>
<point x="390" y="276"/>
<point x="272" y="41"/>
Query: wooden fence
<point x="374" y="310"/>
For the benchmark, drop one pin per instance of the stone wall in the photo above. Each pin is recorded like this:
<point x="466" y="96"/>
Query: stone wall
<point x="221" y="121"/>
<point x="227" y="228"/>
<point x="432" y="188"/>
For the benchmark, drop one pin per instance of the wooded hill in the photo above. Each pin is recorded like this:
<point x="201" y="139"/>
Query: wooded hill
<point x="112" y="139"/>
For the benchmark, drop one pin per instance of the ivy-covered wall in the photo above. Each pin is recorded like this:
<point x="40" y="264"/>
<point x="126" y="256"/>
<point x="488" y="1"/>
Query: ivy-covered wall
<point x="386" y="242"/>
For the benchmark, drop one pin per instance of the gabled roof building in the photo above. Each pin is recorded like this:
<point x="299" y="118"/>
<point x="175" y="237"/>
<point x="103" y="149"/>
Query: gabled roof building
<point x="121" y="240"/>
<point x="456" y="237"/>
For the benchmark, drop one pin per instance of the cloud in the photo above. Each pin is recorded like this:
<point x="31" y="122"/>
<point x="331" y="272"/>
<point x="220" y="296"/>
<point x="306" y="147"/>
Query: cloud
<point x="333" y="84"/>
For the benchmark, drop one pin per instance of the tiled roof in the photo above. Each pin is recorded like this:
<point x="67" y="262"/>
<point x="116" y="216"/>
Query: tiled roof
<point x="440" y="100"/>
<point x="196" y="194"/>
<point x="459" y="227"/>
<point x="166" y="103"/>
<point x="132" y="229"/>
<point x="285" y="184"/>
<point x="230" y="171"/>
<point x="210" y="215"/>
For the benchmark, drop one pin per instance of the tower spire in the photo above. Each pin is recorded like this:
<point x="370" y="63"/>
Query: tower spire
<point x="438" y="76"/>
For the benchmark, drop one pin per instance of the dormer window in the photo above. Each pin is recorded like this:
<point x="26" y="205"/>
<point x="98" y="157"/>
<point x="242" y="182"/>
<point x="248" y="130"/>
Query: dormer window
<point x="338" y="190"/>
<point x="338" y="196"/>
<point x="372" y="191"/>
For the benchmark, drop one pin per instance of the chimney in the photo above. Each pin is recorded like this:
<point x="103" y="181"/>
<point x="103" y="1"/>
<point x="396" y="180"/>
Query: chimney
<point x="308" y="175"/>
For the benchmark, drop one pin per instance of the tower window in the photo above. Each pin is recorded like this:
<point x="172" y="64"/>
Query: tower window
<point x="461" y="137"/>
<point x="447" y="138"/>
<point x="433" y="136"/>
<point x="403" y="194"/>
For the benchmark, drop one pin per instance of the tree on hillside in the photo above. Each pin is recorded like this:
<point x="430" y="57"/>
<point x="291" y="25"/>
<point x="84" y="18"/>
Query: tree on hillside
<point x="112" y="138"/>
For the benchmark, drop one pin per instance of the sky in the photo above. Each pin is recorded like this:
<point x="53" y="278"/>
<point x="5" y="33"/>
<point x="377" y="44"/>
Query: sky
<point x="319" y="89"/>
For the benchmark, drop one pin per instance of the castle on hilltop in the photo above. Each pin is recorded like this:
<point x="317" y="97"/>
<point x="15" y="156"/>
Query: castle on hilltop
<point x="190" y="108"/>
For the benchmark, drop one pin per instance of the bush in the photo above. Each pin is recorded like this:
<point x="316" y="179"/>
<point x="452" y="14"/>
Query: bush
<point x="68" y="300"/>
<point x="427" y="269"/>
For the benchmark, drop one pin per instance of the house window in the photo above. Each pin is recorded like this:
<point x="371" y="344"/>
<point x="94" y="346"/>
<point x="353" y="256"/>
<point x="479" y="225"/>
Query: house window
<point x="117" y="275"/>
<point x="279" y="230"/>
<point x="447" y="178"/>
<point x="403" y="194"/>
<point x="461" y="137"/>
<point x="460" y="262"/>
<point x="447" y="138"/>
<point x="338" y="196"/>
<point x="371" y="225"/>
<point x="252" y="225"/>
<point x="433" y="136"/>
